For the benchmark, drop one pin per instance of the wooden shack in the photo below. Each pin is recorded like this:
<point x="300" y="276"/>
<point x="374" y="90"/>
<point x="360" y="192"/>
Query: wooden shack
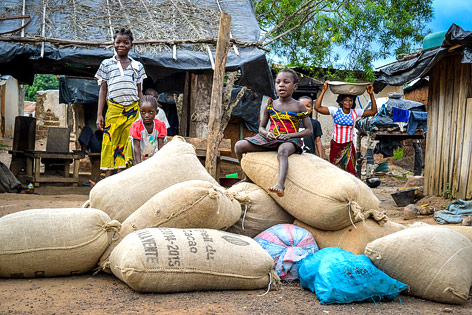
<point x="448" y="161"/>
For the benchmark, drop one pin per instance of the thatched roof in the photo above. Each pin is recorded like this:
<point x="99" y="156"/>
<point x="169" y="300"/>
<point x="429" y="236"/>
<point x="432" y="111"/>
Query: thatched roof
<point x="72" y="36"/>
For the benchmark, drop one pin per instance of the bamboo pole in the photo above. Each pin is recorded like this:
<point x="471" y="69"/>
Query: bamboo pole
<point x="454" y="119"/>
<point x="215" y="134"/>
<point x="58" y="41"/>
<point x="440" y="128"/>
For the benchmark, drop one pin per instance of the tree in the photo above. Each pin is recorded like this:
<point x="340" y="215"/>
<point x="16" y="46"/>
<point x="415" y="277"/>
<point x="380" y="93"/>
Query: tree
<point x="306" y="32"/>
<point x="41" y="82"/>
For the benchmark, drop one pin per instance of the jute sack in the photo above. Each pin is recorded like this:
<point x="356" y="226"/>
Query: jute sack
<point x="53" y="242"/>
<point x="259" y="210"/>
<point x="316" y="192"/>
<point x="121" y="194"/>
<point x="178" y="260"/>
<point x="190" y="204"/>
<point x="352" y="239"/>
<point x="435" y="262"/>
<point x="464" y="230"/>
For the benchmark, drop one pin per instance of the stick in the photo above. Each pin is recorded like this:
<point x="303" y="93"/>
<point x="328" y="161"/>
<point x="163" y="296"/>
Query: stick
<point x="215" y="133"/>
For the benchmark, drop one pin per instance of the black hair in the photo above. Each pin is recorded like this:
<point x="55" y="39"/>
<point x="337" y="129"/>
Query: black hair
<point x="123" y="31"/>
<point x="148" y="91"/>
<point x="148" y="99"/>
<point x="341" y="97"/>
<point x="306" y="98"/>
<point x="293" y="73"/>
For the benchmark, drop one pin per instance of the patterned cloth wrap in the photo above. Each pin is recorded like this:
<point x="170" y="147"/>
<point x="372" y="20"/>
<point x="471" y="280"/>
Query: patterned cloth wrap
<point x="287" y="244"/>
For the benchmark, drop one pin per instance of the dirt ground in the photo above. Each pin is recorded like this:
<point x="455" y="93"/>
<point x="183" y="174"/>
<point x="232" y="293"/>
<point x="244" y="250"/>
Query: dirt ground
<point x="103" y="293"/>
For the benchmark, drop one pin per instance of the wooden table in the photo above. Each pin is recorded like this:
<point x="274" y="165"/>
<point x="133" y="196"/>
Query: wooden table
<point x="33" y="164"/>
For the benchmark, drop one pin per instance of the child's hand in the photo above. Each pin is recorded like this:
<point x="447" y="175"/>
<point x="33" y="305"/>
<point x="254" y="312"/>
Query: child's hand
<point x="100" y="122"/>
<point x="370" y="89"/>
<point x="271" y="136"/>
<point x="284" y="136"/>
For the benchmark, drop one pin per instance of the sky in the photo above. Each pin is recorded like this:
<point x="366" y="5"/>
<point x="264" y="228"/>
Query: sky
<point x="446" y="12"/>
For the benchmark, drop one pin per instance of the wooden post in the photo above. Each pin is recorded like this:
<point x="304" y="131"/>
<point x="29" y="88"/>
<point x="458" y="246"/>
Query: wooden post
<point x="215" y="134"/>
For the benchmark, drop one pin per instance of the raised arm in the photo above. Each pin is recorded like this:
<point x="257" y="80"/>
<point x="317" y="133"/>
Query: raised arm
<point x="373" y="110"/>
<point x="322" y="109"/>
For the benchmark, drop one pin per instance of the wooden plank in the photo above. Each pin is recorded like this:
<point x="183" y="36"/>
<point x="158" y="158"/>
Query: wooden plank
<point x="215" y="132"/>
<point x="465" y="80"/>
<point x="439" y="128"/>
<point x="455" y="107"/>
<point x="200" y="98"/>
<point x="433" y="82"/>
<point x="448" y="104"/>
<point x="466" y="153"/>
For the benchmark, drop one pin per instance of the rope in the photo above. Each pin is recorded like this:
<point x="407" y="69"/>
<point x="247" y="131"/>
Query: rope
<point x="244" y="216"/>
<point x="350" y="218"/>
<point x="268" y="288"/>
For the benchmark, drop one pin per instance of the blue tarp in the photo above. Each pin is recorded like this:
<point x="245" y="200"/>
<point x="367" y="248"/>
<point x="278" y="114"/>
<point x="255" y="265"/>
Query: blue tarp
<point x="455" y="212"/>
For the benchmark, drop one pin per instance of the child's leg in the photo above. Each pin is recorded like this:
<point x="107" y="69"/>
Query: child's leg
<point x="244" y="146"/>
<point x="284" y="151"/>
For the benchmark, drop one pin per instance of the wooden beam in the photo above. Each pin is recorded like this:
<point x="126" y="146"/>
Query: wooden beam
<point x="215" y="134"/>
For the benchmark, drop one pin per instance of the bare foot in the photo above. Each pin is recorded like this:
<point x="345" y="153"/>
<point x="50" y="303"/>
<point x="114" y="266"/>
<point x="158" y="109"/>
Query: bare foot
<point x="91" y="183"/>
<point x="278" y="189"/>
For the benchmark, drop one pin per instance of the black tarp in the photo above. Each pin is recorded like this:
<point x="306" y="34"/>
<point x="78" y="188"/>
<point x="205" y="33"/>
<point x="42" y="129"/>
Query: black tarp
<point x="402" y="72"/>
<point x="23" y="60"/>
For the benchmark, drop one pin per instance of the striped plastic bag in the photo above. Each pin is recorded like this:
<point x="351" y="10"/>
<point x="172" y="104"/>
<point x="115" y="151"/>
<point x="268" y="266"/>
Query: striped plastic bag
<point x="287" y="244"/>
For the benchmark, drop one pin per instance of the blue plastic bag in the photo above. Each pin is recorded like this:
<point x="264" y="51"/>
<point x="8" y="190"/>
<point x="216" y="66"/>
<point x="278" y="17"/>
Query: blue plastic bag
<point x="338" y="276"/>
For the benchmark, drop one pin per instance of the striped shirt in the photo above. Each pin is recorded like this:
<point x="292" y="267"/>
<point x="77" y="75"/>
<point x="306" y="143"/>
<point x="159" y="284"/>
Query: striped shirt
<point x="121" y="83"/>
<point x="344" y="123"/>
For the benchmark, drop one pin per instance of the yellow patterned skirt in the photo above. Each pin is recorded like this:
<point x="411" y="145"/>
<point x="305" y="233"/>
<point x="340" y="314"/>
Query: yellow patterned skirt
<point x="118" y="121"/>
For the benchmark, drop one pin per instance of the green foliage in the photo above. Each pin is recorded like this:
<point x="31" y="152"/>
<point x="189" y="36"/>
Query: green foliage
<point x="447" y="193"/>
<point x="367" y="29"/>
<point x="41" y="82"/>
<point x="398" y="153"/>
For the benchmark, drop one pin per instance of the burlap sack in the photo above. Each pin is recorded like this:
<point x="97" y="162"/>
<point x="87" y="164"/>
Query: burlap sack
<point x="316" y="192"/>
<point x="121" y="194"/>
<point x="435" y="262"/>
<point x="464" y="230"/>
<point x="53" y="242"/>
<point x="353" y="239"/>
<point x="190" y="204"/>
<point x="178" y="260"/>
<point x="259" y="210"/>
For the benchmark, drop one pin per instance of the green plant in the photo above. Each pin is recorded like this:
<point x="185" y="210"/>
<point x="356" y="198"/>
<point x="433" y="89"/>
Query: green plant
<point x="447" y="193"/>
<point x="398" y="153"/>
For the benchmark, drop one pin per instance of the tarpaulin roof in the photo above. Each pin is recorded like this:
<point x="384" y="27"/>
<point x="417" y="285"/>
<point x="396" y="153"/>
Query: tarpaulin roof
<point x="72" y="37"/>
<point x="402" y="72"/>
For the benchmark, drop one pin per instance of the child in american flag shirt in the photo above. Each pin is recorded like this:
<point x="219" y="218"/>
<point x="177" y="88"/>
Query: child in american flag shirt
<point x="343" y="152"/>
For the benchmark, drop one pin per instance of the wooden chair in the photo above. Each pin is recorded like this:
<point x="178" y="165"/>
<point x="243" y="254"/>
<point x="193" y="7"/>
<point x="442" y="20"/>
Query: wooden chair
<point x="57" y="160"/>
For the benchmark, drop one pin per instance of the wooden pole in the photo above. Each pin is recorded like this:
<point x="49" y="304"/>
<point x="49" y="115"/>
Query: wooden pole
<point x="215" y="134"/>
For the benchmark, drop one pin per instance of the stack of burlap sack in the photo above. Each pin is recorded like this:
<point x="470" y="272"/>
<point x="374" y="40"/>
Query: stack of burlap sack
<point x="341" y="211"/>
<point x="155" y="226"/>
<point x="159" y="227"/>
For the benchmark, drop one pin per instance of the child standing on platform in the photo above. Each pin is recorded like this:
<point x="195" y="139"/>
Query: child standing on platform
<point x="285" y="114"/>
<point x="148" y="132"/>
<point x="120" y="79"/>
